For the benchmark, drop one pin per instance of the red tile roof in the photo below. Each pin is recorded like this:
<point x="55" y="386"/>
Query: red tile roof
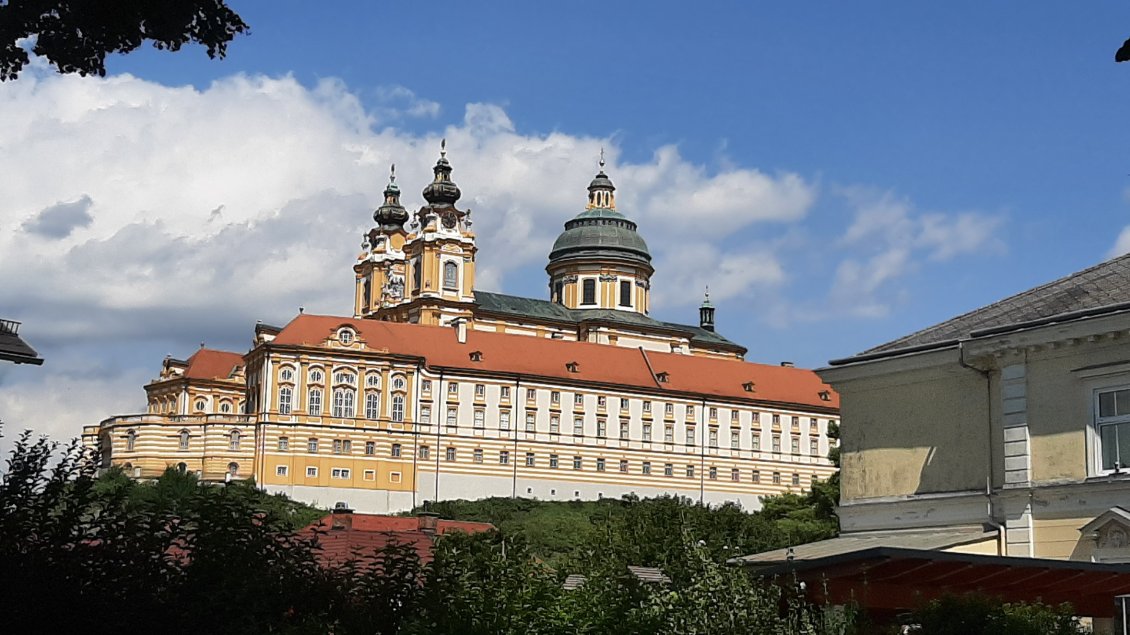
<point x="549" y="358"/>
<point x="207" y="363"/>
<point x="363" y="534"/>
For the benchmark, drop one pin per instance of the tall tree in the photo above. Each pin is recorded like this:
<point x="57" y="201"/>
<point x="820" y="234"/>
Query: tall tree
<point x="75" y="36"/>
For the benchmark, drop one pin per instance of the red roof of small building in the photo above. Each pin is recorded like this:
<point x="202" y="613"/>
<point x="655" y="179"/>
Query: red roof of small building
<point x="207" y="363"/>
<point x="350" y="536"/>
<point x="548" y="358"/>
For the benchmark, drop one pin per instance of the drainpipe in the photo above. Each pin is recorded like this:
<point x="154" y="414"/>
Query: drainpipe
<point x="435" y="417"/>
<point x="1002" y="542"/>
<point x="514" y="430"/>
<point x="704" y="423"/>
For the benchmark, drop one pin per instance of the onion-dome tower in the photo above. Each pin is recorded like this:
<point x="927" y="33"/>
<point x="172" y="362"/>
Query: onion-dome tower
<point x="391" y="216"/>
<point x="600" y="261"/>
<point x="380" y="266"/>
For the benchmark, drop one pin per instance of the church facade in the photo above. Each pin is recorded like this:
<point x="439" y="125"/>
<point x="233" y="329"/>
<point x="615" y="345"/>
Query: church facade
<point x="434" y="390"/>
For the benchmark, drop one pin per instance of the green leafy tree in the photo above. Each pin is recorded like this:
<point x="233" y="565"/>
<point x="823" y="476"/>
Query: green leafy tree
<point x="75" y="36"/>
<point x="983" y="615"/>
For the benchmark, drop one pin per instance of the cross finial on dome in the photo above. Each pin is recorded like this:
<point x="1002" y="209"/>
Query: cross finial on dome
<point x="392" y="174"/>
<point x="443" y="147"/>
<point x="601" y="157"/>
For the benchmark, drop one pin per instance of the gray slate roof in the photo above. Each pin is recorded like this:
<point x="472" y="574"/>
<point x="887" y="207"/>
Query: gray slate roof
<point x="13" y="348"/>
<point x="1103" y="285"/>
<point x="545" y="310"/>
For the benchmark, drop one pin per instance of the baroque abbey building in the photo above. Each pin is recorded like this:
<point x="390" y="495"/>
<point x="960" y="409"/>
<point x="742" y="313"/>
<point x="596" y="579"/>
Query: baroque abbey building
<point x="433" y="390"/>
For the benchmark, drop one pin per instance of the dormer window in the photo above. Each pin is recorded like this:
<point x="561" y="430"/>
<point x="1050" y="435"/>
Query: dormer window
<point x="346" y="335"/>
<point x="476" y="356"/>
<point x="748" y="386"/>
<point x="825" y="395"/>
<point x="572" y="367"/>
<point x="662" y="377"/>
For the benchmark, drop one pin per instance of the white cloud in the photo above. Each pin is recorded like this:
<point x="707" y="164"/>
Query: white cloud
<point x="1121" y="244"/>
<point x="139" y="213"/>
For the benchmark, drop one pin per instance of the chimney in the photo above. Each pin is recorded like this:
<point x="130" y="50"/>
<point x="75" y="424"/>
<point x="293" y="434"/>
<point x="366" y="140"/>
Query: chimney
<point x="341" y="519"/>
<point x="786" y="364"/>
<point x="427" y="522"/>
<point x="460" y="325"/>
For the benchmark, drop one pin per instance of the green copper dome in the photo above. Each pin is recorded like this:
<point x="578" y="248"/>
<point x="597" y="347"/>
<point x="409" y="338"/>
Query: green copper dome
<point x="600" y="233"/>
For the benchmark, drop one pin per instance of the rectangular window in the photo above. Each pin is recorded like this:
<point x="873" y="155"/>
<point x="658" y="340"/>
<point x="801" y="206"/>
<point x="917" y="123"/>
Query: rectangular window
<point x="450" y="275"/>
<point x="777" y="443"/>
<point x="776" y="419"/>
<point x="284" y="444"/>
<point x="690" y="471"/>
<point x="600" y="465"/>
<point x="690" y="435"/>
<point x="713" y="413"/>
<point x="755" y="476"/>
<point x="425" y="414"/>
<point x="588" y="291"/>
<point x="395" y="449"/>
<point x="646" y="467"/>
<point x="504" y="457"/>
<point x="425" y="452"/>
<point x="369" y="475"/>
<point x="449" y="454"/>
<point x="554" y="424"/>
<point x="339" y="472"/>
<point x="734" y="417"/>
<point x="624" y="430"/>
<point x="623" y="403"/>
<point x="311" y="472"/>
<point x="647" y="406"/>
<point x="531" y="422"/>
<point x="794" y="445"/>
<point x="576" y="463"/>
<point x="477" y="455"/>
<point x="505" y="393"/>
<point x="370" y="448"/>
<point x="735" y="475"/>
<point x="553" y="461"/>
<point x="646" y="431"/>
<point x="668" y="469"/>
<point x="668" y="434"/>
<point x="578" y="427"/>
<point x="735" y="439"/>
<point x="713" y="473"/>
<point x="480" y="391"/>
<point x="426" y="386"/>
<point x="713" y="436"/>
<point x="578" y="400"/>
<point x="669" y="410"/>
<point x="813" y="426"/>
<point x="555" y="397"/>
<point x="755" y="441"/>
<point x="625" y="293"/>
<point x="601" y="428"/>
<point x="530" y="459"/>
<point x="755" y="417"/>
<point x="280" y="470"/>
<point x="623" y="465"/>
<point x="481" y="418"/>
<point x="1113" y="422"/>
<point x="338" y="446"/>
<point x="453" y="388"/>
<point x="776" y="478"/>
<point x="531" y="394"/>
<point x="452" y="415"/>
<point x="796" y="423"/>
<point x="813" y="447"/>
<point x="796" y="479"/>
<point x="312" y="446"/>
<point x="394" y="477"/>
<point x="688" y="413"/>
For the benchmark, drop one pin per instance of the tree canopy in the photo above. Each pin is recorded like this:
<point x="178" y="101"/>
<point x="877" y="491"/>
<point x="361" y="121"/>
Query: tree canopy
<point x="75" y="36"/>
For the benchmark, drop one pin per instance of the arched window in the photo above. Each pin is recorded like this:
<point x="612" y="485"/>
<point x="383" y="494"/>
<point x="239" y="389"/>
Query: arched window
<point x="398" y="382"/>
<point x="316" y="376"/>
<point x="345" y="336"/>
<point x="184" y="437"/>
<point x="131" y="440"/>
<point x="372" y="405"/>
<point x="225" y="407"/>
<point x="345" y="377"/>
<point x="286" y="374"/>
<point x="398" y="407"/>
<point x="127" y="468"/>
<point x="233" y="440"/>
<point x="201" y="405"/>
<point x="450" y="275"/>
<point x="233" y="468"/>
<point x="284" y="400"/>
<point x="314" y="402"/>
<point x="182" y="468"/>
<point x="373" y="380"/>
<point x="343" y="403"/>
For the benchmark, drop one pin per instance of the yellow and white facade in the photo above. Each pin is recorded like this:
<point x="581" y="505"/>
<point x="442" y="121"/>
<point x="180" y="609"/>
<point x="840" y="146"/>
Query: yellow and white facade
<point x="432" y="391"/>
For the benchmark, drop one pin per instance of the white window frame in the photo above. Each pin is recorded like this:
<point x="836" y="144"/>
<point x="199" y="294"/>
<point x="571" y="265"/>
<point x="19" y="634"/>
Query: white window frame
<point x="1096" y="425"/>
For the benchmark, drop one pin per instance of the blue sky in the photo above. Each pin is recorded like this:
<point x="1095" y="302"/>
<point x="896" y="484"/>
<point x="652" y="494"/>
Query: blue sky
<point x="841" y="173"/>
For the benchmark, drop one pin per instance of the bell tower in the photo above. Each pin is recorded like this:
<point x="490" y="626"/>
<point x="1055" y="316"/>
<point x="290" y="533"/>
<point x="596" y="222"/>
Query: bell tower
<point x="439" y="255"/>
<point x="380" y="267"/>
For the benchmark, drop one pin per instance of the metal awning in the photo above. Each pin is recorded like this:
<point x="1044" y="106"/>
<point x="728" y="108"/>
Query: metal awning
<point x="893" y="579"/>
